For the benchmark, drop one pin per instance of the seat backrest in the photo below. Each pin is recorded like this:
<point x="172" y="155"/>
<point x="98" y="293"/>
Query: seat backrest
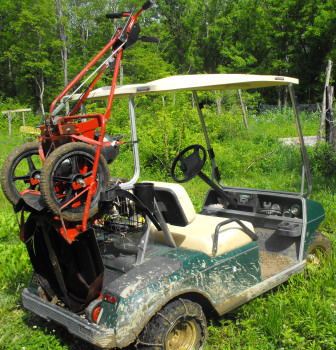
<point x="174" y="203"/>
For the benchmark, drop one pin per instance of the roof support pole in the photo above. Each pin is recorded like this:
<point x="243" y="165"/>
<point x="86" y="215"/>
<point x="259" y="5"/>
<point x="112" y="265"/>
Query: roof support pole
<point x="215" y="172"/>
<point x="306" y="169"/>
<point x="129" y="184"/>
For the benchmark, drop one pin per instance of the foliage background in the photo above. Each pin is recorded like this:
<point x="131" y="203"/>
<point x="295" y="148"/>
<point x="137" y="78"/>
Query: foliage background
<point x="44" y="44"/>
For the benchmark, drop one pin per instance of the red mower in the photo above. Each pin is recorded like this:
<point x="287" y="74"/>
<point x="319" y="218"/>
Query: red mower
<point x="68" y="167"/>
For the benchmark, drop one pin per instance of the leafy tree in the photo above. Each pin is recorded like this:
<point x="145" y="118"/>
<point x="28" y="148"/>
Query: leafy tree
<point x="45" y="44"/>
<point x="180" y="31"/>
<point x="30" y="48"/>
<point x="8" y="17"/>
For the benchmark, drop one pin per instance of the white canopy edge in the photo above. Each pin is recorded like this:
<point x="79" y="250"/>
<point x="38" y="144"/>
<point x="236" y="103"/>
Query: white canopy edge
<point x="198" y="82"/>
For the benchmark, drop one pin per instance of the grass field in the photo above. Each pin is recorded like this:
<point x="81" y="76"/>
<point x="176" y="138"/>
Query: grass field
<point x="300" y="314"/>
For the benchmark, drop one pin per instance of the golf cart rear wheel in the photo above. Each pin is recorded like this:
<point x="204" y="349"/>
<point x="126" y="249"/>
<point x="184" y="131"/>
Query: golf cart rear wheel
<point x="21" y="171"/>
<point x="180" y="325"/>
<point x="320" y="247"/>
<point x="64" y="180"/>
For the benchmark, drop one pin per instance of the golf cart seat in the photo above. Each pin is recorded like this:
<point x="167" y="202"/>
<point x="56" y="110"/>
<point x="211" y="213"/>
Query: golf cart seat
<point x="191" y="230"/>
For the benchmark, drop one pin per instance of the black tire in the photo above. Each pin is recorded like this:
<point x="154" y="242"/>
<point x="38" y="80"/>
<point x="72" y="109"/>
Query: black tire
<point x="319" y="248"/>
<point x="21" y="171"/>
<point x="61" y="171"/>
<point x="180" y="325"/>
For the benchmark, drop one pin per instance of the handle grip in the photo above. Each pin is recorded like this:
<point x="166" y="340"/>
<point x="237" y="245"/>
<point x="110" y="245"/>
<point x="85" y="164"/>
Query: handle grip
<point x="150" y="39"/>
<point x="148" y="4"/>
<point x="117" y="15"/>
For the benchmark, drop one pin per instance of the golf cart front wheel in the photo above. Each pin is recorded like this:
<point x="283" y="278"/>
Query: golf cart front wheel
<point x="180" y="325"/>
<point x="65" y="180"/>
<point x="319" y="248"/>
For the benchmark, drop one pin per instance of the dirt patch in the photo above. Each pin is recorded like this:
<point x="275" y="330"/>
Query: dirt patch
<point x="271" y="264"/>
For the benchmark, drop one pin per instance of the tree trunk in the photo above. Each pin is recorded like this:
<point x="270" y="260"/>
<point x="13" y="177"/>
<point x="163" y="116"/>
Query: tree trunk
<point x="330" y="125"/>
<point x="40" y="94"/>
<point x="219" y="99"/>
<point x="114" y="9"/>
<point x="64" y="49"/>
<point x="279" y="96"/>
<point x="285" y="96"/>
<point x="10" y="124"/>
<point x="84" y="36"/>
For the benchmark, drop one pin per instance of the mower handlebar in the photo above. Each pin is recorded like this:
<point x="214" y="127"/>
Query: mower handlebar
<point x="145" y="7"/>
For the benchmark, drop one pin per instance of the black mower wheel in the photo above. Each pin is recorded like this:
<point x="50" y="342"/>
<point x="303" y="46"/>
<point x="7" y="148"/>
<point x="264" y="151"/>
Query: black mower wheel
<point x="180" y="325"/>
<point x="319" y="248"/>
<point x="21" y="170"/>
<point x="63" y="178"/>
<point x="92" y="310"/>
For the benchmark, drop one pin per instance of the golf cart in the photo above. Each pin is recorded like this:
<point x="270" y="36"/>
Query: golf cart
<point x="147" y="268"/>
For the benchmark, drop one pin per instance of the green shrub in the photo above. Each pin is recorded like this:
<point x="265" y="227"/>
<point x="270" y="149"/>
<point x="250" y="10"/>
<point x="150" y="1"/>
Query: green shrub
<point x="322" y="160"/>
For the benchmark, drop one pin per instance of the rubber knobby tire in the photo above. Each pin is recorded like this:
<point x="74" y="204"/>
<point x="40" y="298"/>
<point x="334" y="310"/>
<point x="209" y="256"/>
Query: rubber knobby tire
<point x="51" y="164"/>
<point x="164" y="329"/>
<point x="9" y="166"/>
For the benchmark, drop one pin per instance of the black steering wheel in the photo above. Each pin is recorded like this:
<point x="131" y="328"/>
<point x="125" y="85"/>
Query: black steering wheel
<point x="190" y="165"/>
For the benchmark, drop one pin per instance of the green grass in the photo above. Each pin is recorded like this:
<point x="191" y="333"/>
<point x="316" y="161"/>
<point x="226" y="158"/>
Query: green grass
<point x="300" y="314"/>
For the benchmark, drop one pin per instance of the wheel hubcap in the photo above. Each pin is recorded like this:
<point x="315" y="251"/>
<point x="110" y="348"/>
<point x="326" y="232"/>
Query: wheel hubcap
<point x="314" y="257"/>
<point x="182" y="336"/>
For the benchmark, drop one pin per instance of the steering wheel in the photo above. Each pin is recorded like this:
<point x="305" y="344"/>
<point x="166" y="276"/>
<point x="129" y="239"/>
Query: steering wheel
<point x="190" y="165"/>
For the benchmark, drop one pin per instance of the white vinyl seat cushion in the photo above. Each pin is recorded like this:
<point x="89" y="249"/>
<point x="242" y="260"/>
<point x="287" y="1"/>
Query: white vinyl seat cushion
<point x="199" y="233"/>
<point x="182" y="196"/>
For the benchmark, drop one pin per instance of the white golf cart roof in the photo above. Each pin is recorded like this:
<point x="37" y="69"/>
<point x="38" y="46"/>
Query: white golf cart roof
<point x="197" y="82"/>
<point x="194" y="83"/>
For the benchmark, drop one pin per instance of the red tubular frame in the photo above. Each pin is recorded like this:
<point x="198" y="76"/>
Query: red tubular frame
<point x="101" y="139"/>
<point x="82" y="73"/>
<point x="85" y="131"/>
<point x="88" y="90"/>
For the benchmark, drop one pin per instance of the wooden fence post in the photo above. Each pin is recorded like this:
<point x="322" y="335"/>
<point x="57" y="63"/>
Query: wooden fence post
<point x="323" y="116"/>
<point x="23" y="122"/>
<point x="12" y="113"/>
<point x="243" y="108"/>
<point x="10" y="124"/>
<point x="330" y="126"/>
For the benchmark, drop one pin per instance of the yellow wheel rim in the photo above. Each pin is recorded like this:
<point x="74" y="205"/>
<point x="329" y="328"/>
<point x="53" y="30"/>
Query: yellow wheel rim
<point x="182" y="336"/>
<point x="314" y="257"/>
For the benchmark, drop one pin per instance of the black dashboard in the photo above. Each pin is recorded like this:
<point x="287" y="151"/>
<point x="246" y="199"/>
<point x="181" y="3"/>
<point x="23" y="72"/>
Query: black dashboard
<point x="261" y="203"/>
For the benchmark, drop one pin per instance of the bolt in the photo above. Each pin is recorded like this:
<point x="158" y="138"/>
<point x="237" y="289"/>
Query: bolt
<point x="82" y="182"/>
